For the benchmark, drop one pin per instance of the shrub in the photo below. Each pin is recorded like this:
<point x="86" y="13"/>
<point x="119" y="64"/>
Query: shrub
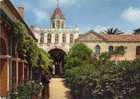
<point x="104" y="79"/>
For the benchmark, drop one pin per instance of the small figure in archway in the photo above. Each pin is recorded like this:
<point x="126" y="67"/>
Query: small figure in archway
<point x="53" y="69"/>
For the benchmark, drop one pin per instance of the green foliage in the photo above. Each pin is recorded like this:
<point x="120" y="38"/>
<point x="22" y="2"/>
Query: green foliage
<point x="26" y="46"/>
<point x="119" y="50"/>
<point x="104" y="79"/>
<point x="28" y="49"/>
<point x="43" y="59"/>
<point x="137" y="31"/>
<point x="31" y="51"/>
<point x="19" y="28"/>
<point x="104" y="57"/>
<point x="34" y="56"/>
<point x="24" y="91"/>
<point x="77" y="55"/>
<point x="113" y="31"/>
<point x="27" y="90"/>
<point x="80" y="51"/>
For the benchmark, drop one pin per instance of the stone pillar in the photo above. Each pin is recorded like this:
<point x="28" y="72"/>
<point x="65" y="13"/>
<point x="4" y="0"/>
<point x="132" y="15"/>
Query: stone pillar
<point x="23" y="71"/>
<point x="60" y="38"/>
<point x="4" y="75"/>
<point x="17" y="73"/>
<point x="53" y="38"/>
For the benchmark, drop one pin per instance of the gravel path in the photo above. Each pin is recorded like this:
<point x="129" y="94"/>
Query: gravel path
<point x="58" y="90"/>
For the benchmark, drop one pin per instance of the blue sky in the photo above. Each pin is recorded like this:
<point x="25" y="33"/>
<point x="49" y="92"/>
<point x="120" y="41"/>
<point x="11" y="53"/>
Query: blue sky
<point x="86" y="14"/>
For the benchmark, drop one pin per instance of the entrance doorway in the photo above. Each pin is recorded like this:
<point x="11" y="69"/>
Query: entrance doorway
<point x="57" y="56"/>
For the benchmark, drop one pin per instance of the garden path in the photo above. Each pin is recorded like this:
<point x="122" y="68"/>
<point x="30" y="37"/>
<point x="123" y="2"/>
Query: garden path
<point x="58" y="89"/>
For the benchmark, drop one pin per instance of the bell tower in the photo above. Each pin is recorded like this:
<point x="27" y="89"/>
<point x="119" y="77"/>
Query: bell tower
<point x="58" y="19"/>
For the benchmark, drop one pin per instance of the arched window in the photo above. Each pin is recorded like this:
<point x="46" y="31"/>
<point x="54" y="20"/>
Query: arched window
<point x="42" y="38"/>
<point x="71" y="38"/>
<point x="53" y="24"/>
<point x="58" y="24"/>
<point x="49" y="38"/>
<point x="64" y="38"/>
<point x="62" y="24"/>
<point x="110" y="49"/>
<point x="97" y="49"/>
<point x="56" y="38"/>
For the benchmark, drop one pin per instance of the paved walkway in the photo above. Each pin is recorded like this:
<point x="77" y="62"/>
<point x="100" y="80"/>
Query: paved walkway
<point x="58" y="90"/>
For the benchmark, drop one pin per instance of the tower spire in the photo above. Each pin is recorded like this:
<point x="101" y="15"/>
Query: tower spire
<point x="57" y="3"/>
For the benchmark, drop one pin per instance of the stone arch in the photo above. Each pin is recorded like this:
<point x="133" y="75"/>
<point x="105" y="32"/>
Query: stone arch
<point x="3" y="67"/>
<point x="57" y="55"/>
<point x="58" y="47"/>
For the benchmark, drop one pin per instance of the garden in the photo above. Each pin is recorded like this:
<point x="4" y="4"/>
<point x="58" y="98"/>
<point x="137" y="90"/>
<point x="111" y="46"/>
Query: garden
<point x="100" y="78"/>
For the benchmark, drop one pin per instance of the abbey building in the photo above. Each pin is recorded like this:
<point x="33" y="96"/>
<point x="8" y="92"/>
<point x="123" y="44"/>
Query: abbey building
<point x="56" y="40"/>
<point x="58" y="35"/>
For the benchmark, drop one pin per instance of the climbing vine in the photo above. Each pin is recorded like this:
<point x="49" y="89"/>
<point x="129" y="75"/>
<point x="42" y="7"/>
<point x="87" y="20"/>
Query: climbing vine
<point x="119" y="50"/>
<point x="27" y="47"/>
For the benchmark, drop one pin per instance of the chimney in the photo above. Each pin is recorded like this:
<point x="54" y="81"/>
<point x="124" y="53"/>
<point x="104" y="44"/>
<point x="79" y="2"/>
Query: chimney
<point x="21" y="11"/>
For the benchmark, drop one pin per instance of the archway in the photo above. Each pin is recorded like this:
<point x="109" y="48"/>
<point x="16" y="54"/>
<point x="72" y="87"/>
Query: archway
<point x="57" y="56"/>
<point x="3" y="67"/>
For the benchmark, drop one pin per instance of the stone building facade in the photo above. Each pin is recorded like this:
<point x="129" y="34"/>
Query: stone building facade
<point x="56" y="40"/>
<point x="100" y="43"/>
<point x="58" y="35"/>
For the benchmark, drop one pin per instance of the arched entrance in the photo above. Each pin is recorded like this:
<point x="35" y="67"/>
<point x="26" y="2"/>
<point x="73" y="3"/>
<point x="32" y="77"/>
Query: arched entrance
<point x="3" y="67"/>
<point x="57" y="56"/>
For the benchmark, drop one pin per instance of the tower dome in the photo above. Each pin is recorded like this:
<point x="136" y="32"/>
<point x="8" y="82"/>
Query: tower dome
<point x="57" y="14"/>
<point x="58" y="19"/>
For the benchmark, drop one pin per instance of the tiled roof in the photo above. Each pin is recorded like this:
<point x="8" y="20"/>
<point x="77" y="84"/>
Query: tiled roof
<point x="108" y="38"/>
<point x="122" y="38"/>
<point x="57" y="14"/>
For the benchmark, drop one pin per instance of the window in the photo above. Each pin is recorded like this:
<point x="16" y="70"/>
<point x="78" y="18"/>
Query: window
<point x="97" y="49"/>
<point x="53" y="24"/>
<point x="71" y="38"/>
<point x="110" y="49"/>
<point x="138" y="51"/>
<point x="56" y="38"/>
<point x="49" y="38"/>
<point x="58" y="24"/>
<point x="64" y="38"/>
<point x="62" y="24"/>
<point x="42" y="38"/>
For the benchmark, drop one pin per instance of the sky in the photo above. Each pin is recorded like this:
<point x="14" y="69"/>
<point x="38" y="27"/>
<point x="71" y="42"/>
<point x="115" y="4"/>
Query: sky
<point x="87" y="15"/>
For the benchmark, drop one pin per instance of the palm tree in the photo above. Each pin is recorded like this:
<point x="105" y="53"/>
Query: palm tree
<point x="137" y="31"/>
<point x="113" y="31"/>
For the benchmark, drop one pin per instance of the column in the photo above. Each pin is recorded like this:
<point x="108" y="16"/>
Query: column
<point x="16" y="73"/>
<point x="4" y="73"/>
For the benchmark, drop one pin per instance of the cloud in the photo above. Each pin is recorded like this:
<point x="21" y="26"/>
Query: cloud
<point x="99" y="28"/>
<point x="131" y="14"/>
<point x="40" y="15"/>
